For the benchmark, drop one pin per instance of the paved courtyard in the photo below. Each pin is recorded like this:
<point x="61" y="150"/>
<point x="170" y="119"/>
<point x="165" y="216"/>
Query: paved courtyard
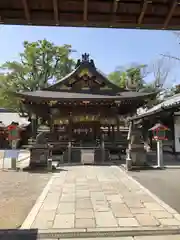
<point x="98" y="197"/>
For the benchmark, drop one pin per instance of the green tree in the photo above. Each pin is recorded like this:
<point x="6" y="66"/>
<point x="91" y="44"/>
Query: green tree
<point x="41" y="63"/>
<point x="119" y="77"/>
<point x="133" y="76"/>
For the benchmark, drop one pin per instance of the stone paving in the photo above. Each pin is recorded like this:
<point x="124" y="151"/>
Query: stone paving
<point x="99" y="197"/>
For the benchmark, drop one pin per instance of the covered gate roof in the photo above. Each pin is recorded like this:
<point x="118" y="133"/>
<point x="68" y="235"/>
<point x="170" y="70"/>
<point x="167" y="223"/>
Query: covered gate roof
<point x="147" y="14"/>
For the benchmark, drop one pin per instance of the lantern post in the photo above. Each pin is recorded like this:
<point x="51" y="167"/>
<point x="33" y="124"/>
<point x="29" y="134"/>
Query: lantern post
<point x="13" y="136"/>
<point x="159" y="135"/>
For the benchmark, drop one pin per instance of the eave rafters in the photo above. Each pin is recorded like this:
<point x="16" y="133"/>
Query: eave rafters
<point x="85" y="11"/>
<point x="26" y="11"/>
<point x="143" y="11"/>
<point x="170" y="13"/>
<point x="56" y="11"/>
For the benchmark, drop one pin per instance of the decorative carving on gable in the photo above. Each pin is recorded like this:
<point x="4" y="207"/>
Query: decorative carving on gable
<point x="85" y="72"/>
<point x="71" y="81"/>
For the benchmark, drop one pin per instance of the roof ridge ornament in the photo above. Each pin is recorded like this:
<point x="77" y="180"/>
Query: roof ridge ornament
<point x="85" y="57"/>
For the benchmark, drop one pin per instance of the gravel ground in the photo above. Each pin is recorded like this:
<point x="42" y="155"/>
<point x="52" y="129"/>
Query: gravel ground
<point x="163" y="183"/>
<point x="18" y="193"/>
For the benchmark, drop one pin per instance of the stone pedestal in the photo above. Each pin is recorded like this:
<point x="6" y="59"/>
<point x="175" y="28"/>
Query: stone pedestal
<point x="87" y="156"/>
<point x="138" y="156"/>
<point x="128" y="160"/>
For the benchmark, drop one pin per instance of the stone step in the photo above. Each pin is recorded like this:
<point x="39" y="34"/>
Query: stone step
<point x="106" y="232"/>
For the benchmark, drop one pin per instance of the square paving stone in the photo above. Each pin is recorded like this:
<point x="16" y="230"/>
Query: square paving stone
<point x="161" y="214"/>
<point x="44" y="220"/>
<point x="84" y="204"/>
<point x="169" y="222"/>
<point x="101" y="206"/>
<point x="147" y="220"/>
<point x="66" y="207"/>
<point x="82" y="187"/>
<point x="68" y="191"/>
<point x="98" y="196"/>
<point x="177" y="216"/>
<point x="84" y="213"/>
<point x="64" y="221"/>
<point x="48" y="206"/>
<point x="82" y="193"/>
<point x="153" y="206"/>
<point x="139" y="210"/>
<point x="105" y="219"/>
<point x="121" y="210"/>
<point x="111" y="192"/>
<point x="128" y="222"/>
<point x="67" y="198"/>
<point x="43" y="224"/>
<point x="131" y="202"/>
<point x="115" y="198"/>
<point x="85" y="223"/>
<point x="48" y="215"/>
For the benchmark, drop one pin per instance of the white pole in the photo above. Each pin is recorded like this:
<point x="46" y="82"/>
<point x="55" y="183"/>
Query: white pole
<point x="159" y="154"/>
<point x="13" y="160"/>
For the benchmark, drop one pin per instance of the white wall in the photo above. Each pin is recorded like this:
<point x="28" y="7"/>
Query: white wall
<point x="8" y="117"/>
<point x="177" y="133"/>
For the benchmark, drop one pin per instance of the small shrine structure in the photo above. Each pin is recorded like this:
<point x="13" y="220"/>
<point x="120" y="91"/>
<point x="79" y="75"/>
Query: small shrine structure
<point x="83" y="112"/>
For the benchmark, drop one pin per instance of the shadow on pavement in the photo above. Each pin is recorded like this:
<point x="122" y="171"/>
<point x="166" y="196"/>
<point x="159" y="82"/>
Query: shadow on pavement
<point x="16" y="234"/>
<point x="42" y="170"/>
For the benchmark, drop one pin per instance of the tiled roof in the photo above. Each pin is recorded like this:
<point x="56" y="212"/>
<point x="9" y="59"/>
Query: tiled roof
<point x="80" y="96"/>
<point x="167" y="104"/>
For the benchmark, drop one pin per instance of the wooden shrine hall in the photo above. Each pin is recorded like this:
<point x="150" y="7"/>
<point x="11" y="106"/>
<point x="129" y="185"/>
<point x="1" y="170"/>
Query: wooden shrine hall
<point x="82" y="113"/>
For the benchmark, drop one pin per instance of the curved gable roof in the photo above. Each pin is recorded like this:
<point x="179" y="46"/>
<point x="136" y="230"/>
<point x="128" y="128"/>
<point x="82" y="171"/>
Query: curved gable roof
<point x="86" y="64"/>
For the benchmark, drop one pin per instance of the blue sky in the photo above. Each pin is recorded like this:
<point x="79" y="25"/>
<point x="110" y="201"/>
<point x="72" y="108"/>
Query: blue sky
<point x="108" y="47"/>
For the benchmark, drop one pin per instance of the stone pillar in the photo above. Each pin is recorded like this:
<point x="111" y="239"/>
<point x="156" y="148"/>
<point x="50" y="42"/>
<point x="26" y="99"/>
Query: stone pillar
<point x="102" y="148"/>
<point x="128" y="150"/>
<point x="69" y="151"/>
<point x="14" y="160"/>
<point x="34" y="125"/>
<point x="145" y="135"/>
<point x="160" y="154"/>
<point x="136" y="154"/>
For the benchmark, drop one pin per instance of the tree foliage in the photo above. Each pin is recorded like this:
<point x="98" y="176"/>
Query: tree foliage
<point x="136" y="76"/>
<point x="41" y="63"/>
<point x="132" y="75"/>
